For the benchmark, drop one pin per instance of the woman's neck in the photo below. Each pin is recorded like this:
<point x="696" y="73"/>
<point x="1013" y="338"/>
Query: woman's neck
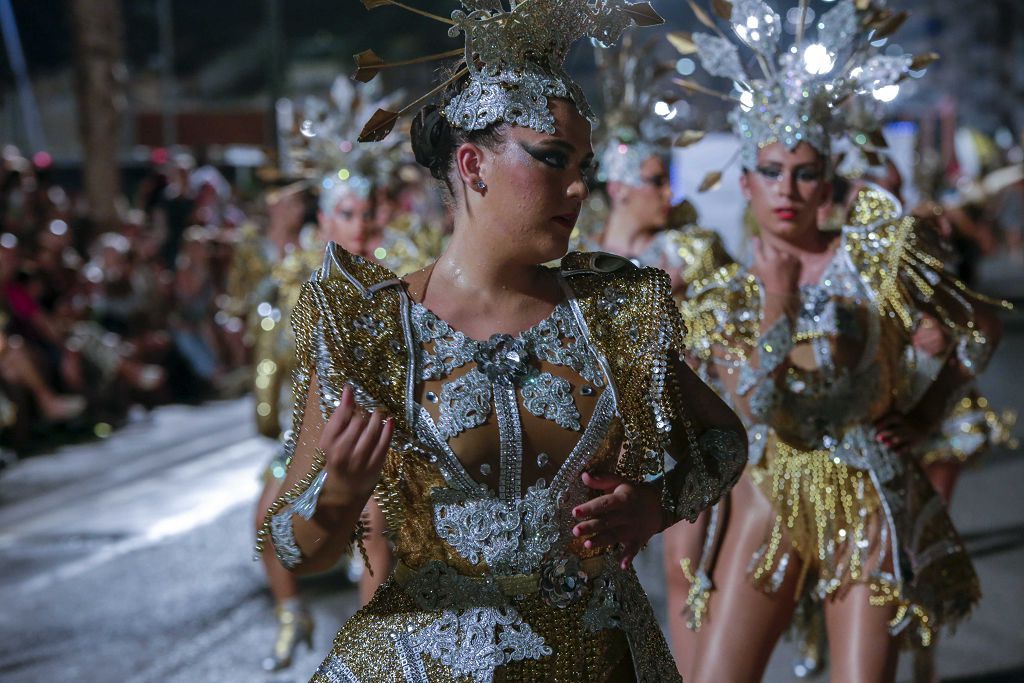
<point x="622" y="234"/>
<point x="485" y="272"/>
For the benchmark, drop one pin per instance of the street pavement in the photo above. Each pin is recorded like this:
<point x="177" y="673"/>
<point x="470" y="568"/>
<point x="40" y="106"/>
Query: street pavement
<point x="130" y="560"/>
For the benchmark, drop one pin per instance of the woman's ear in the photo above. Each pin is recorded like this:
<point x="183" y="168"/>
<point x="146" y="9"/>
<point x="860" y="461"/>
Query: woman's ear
<point x="745" y="184"/>
<point x="469" y="161"/>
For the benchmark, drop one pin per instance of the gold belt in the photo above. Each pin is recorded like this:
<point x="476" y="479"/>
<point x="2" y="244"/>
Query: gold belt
<point x="509" y="584"/>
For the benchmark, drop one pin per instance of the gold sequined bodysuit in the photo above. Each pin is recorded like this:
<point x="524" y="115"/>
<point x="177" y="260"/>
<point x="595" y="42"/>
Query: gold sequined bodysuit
<point x="491" y="439"/>
<point x="846" y="506"/>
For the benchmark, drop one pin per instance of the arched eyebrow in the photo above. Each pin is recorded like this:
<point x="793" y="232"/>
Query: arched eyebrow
<point x="568" y="148"/>
<point x="563" y="145"/>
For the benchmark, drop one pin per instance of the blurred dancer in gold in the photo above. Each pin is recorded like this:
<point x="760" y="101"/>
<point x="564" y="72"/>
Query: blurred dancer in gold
<point x="638" y="220"/>
<point x="262" y="288"/>
<point x="817" y="346"/>
<point x="349" y="183"/>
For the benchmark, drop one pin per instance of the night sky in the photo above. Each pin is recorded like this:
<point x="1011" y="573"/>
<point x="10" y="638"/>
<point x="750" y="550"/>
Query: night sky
<point x="205" y="28"/>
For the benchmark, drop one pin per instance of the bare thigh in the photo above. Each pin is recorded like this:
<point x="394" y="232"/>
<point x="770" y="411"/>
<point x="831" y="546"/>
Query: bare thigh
<point x="861" y="650"/>
<point x="943" y="477"/>
<point x="743" y="623"/>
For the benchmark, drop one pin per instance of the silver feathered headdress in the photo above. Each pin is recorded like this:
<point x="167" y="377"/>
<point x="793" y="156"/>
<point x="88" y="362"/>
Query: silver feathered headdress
<point x="514" y="58"/>
<point x="633" y="130"/>
<point x="324" y="143"/>
<point x="803" y="92"/>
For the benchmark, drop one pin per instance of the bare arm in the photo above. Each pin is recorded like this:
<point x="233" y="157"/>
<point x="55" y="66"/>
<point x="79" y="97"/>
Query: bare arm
<point x="334" y="469"/>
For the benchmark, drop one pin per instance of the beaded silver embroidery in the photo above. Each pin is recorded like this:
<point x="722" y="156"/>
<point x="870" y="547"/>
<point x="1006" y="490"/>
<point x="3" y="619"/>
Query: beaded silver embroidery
<point x="510" y="536"/>
<point x="336" y="671"/>
<point x="550" y="397"/>
<point x="477" y="631"/>
<point x="474" y="642"/>
<point x="465" y="403"/>
<point x="562" y="581"/>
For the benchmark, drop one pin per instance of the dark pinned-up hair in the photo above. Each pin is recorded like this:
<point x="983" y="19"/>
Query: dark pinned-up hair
<point x="434" y="139"/>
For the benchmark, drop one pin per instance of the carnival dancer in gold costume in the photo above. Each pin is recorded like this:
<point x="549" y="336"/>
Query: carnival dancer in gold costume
<point x="265" y="275"/>
<point x="638" y="220"/>
<point x="812" y="345"/>
<point x="521" y="415"/>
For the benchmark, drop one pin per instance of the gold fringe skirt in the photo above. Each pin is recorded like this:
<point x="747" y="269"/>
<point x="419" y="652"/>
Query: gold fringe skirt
<point x="825" y="514"/>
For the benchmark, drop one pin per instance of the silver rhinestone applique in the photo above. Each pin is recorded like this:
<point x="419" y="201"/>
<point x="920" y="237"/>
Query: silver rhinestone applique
<point x="543" y="459"/>
<point x="550" y="397"/>
<point x="612" y="299"/>
<point x="465" y="403"/>
<point x="474" y="642"/>
<point x="510" y="536"/>
<point x="562" y="581"/>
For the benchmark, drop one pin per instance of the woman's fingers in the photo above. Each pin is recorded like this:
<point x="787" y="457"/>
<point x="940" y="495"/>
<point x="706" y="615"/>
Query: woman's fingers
<point x="380" y="449"/>
<point x="590" y="527"/>
<point x="602" y="482"/>
<point x="601" y="505"/>
<point x="340" y="419"/>
<point x="343" y="446"/>
<point x="605" y="538"/>
<point x="367" y="441"/>
<point x="627" y="553"/>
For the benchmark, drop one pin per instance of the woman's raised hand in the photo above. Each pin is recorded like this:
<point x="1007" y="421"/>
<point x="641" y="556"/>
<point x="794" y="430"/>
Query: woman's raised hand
<point x="626" y="516"/>
<point x="355" y="444"/>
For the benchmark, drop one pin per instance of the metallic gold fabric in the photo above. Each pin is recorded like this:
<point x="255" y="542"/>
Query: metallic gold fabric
<point x="350" y="330"/>
<point x="846" y="507"/>
<point x="969" y="431"/>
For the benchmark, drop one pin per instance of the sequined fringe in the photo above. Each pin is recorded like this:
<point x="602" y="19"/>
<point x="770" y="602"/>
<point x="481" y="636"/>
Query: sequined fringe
<point x="699" y="597"/>
<point x="911" y="619"/>
<point x="972" y="429"/>
<point x="823" y="507"/>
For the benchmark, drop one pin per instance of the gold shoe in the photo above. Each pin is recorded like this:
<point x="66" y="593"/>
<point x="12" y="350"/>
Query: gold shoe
<point x="294" y="627"/>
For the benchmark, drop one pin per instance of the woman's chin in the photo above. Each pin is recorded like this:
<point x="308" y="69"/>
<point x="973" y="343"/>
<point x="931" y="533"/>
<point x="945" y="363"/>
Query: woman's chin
<point x="552" y="249"/>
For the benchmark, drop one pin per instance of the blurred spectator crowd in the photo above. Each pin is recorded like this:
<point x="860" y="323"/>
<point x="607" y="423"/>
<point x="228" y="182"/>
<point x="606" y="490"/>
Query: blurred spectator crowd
<point x="99" y="323"/>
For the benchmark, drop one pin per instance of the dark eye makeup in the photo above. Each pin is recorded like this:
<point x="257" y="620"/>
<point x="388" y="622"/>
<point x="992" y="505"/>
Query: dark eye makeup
<point x="805" y="174"/>
<point x="550" y="157"/>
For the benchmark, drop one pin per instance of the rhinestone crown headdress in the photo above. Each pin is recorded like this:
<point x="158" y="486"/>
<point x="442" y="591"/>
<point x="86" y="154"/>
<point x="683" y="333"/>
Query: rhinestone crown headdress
<point x="632" y="131"/>
<point x="324" y="143"/>
<point x="803" y="93"/>
<point x="514" y="58"/>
